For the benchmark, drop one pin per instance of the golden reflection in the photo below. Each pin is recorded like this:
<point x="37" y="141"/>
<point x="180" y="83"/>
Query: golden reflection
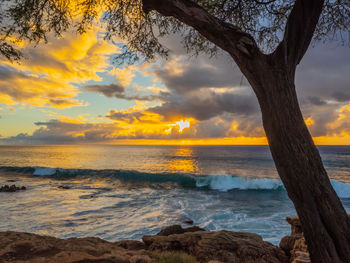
<point x="183" y="162"/>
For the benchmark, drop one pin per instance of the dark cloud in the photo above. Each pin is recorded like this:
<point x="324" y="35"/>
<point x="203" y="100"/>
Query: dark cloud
<point x="323" y="86"/>
<point x="111" y="90"/>
<point x="341" y="95"/>
<point x="124" y="116"/>
<point x="316" y="100"/>
<point x="324" y="72"/>
<point x="228" y="125"/>
<point x="118" y="91"/>
<point x="203" y="72"/>
<point x="7" y="73"/>
<point x="204" y="107"/>
<point x="59" y="132"/>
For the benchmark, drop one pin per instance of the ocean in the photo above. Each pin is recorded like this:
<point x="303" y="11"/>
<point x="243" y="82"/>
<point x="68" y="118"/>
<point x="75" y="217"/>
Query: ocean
<point x="126" y="192"/>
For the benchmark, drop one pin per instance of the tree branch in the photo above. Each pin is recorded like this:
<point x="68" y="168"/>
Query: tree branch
<point x="299" y="31"/>
<point x="230" y="38"/>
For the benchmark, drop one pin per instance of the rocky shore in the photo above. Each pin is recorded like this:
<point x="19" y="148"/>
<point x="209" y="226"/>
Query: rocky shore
<point x="200" y="245"/>
<point x="11" y="188"/>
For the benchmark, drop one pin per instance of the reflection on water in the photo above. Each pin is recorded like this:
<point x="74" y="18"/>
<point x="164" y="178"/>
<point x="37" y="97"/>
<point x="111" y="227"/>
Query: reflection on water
<point x="183" y="161"/>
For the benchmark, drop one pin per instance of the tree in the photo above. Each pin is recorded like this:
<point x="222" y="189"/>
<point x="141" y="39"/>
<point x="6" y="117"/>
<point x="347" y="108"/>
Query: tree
<point x="267" y="39"/>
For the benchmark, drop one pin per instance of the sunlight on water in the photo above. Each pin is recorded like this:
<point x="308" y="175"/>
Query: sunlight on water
<point x="183" y="161"/>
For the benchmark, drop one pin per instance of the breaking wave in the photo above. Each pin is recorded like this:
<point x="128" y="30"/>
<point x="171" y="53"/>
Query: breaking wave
<point x="222" y="183"/>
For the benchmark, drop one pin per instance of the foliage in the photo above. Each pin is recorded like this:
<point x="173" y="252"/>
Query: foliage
<point x="141" y="33"/>
<point x="172" y="257"/>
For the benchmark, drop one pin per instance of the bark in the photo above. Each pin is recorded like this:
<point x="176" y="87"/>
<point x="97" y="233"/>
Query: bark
<point x="325" y="223"/>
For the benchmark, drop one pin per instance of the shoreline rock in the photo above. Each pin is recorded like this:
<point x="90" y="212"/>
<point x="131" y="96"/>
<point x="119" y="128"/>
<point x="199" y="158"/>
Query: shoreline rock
<point x="295" y="245"/>
<point x="12" y="188"/>
<point x="206" y="246"/>
<point x="65" y="187"/>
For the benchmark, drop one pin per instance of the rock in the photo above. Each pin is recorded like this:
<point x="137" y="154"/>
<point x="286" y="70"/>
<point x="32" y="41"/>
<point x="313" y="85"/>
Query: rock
<point x="25" y="247"/>
<point x="206" y="246"/>
<point x="287" y="244"/>
<point x="63" y="187"/>
<point x="188" y="221"/>
<point x="224" y="246"/>
<point x="12" y="188"/>
<point x="131" y="244"/>
<point x="295" y="225"/>
<point x="177" y="229"/>
<point x="295" y="245"/>
<point x="300" y="252"/>
<point x="140" y="259"/>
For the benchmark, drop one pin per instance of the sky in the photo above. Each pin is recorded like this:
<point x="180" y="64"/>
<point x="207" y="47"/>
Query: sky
<point x="70" y="91"/>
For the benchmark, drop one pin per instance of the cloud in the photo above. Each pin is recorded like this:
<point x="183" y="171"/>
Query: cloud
<point x="75" y="58"/>
<point x="324" y="71"/>
<point x="340" y="125"/>
<point x="18" y="87"/>
<point x="63" y="132"/>
<point x="181" y="75"/>
<point x="118" y="91"/>
<point x="211" y="94"/>
<point x="48" y="73"/>
<point x="60" y="131"/>
<point x="206" y="104"/>
<point x="109" y="91"/>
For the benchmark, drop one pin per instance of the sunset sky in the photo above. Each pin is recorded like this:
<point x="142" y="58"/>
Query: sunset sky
<point x="69" y="91"/>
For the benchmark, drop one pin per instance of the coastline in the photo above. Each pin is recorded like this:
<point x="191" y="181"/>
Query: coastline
<point x="191" y="244"/>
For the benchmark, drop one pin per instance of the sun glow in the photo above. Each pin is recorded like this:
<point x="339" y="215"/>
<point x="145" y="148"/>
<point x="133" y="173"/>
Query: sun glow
<point x="183" y="125"/>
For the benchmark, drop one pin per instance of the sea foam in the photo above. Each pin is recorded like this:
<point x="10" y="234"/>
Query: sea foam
<point x="228" y="182"/>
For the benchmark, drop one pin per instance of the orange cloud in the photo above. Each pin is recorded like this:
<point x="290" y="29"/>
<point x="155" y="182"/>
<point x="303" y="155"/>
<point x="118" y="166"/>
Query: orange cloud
<point x="45" y="76"/>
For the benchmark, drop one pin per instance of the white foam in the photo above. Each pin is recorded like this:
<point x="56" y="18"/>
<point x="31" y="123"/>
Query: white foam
<point x="228" y="182"/>
<point x="43" y="171"/>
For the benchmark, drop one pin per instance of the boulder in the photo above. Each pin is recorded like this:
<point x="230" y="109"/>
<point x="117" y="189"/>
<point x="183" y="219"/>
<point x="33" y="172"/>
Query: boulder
<point x="295" y="245"/>
<point x="12" y="188"/>
<point x="188" y="221"/>
<point x="205" y="246"/>
<point x="295" y="225"/>
<point x="25" y="247"/>
<point x="131" y="244"/>
<point x="177" y="229"/>
<point x="222" y="246"/>
<point x="287" y="244"/>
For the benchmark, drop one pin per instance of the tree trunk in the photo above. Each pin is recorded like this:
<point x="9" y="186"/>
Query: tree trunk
<point x="324" y="221"/>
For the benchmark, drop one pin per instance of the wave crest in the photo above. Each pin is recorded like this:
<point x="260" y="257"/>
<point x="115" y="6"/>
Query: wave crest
<point x="222" y="183"/>
<point x="228" y="182"/>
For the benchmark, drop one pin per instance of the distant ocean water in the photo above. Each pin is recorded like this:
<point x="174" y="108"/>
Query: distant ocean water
<point x="125" y="192"/>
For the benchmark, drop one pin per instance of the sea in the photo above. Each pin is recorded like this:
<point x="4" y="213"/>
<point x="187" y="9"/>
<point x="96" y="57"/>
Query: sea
<point x="120" y="192"/>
